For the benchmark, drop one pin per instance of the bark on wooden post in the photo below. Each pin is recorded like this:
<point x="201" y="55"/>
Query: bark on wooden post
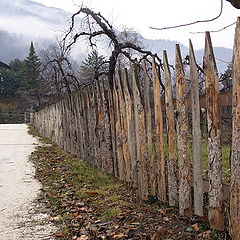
<point x="196" y="133"/>
<point x="171" y="163"/>
<point x="215" y="213"/>
<point x="235" y="159"/>
<point x="118" y="126"/>
<point x="122" y="105"/>
<point x="150" y="150"/>
<point x="140" y="138"/>
<point x="109" y="96"/>
<point x="161" y="179"/>
<point x="130" y="127"/>
<point x="185" y="203"/>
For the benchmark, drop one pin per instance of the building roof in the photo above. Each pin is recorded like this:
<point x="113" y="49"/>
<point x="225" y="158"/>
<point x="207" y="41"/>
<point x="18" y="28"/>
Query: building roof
<point x="4" y="65"/>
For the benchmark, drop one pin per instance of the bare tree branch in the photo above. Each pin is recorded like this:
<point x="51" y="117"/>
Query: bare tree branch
<point x="235" y="3"/>
<point x="96" y="25"/>
<point x="192" y="23"/>
<point x="219" y="30"/>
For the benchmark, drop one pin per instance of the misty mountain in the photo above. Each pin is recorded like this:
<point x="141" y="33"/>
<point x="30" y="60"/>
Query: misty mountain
<point x="223" y="55"/>
<point x="16" y="13"/>
<point x="23" y="21"/>
<point x="14" y="46"/>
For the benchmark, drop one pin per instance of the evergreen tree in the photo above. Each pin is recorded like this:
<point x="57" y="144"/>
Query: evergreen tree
<point x="18" y="66"/>
<point x="32" y="70"/>
<point x="10" y="80"/>
<point x="92" y="66"/>
<point x="226" y="78"/>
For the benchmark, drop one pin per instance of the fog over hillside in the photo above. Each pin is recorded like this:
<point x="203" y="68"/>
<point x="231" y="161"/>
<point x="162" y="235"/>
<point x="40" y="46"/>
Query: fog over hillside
<point x="22" y="21"/>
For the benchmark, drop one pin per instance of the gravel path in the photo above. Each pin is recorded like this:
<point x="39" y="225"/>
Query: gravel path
<point x="21" y="217"/>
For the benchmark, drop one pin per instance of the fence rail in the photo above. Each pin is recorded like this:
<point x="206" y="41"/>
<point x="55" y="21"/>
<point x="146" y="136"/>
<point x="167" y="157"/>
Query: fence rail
<point x="117" y="130"/>
<point x="11" y="117"/>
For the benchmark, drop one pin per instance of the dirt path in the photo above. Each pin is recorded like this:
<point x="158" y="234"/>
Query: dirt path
<point x="20" y="216"/>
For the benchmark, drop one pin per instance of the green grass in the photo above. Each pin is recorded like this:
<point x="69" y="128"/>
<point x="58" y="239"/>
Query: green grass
<point x="225" y="160"/>
<point x="32" y="131"/>
<point x="110" y="213"/>
<point x="204" y="155"/>
<point x="64" y="176"/>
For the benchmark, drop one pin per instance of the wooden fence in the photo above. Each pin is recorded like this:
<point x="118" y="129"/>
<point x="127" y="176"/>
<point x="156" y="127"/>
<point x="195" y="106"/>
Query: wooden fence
<point x="11" y="117"/>
<point x="118" y="131"/>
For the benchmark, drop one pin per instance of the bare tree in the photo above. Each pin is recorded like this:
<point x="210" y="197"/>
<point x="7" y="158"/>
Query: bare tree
<point x="59" y="75"/>
<point x="235" y="3"/>
<point x="93" y="27"/>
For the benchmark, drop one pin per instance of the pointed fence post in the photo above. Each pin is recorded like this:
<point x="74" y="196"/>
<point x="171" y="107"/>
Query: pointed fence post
<point x="215" y="213"/>
<point x="161" y="178"/>
<point x="148" y="113"/>
<point x="235" y="159"/>
<point x="185" y="203"/>
<point x="172" y="161"/>
<point x="140" y="137"/>
<point x="196" y="133"/>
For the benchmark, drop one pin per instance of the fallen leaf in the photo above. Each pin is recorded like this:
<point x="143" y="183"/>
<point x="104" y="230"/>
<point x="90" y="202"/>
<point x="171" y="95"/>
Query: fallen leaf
<point x="161" y="231"/>
<point x="119" y="236"/>
<point x="84" y="209"/>
<point x="83" y="237"/>
<point x="56" y="218"/>
<point x="190" y="229"/>
<point x="64" y="204"/>
<point x="195" y="227"/>
<point x="59" y="235"/>
<point x="91" y="193"/>
<point x="205" y="234"/>
<point x="80" y="204"/>
<point x="166" y="219"/>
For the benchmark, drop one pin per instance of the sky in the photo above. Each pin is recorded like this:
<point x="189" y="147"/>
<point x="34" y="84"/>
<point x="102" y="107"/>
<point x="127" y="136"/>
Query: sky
<point x="140" y="15"/>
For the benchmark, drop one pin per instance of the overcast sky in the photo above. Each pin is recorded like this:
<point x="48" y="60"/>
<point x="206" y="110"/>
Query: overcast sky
<point x="139" y="14"/>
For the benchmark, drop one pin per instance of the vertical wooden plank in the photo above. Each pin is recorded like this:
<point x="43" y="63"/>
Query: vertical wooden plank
<point x="113" y="128"/>
<point x="161" y="179"/>
<point x="118" y="127"/>
<point x="79" y="123"/>
<point x="150" y="150"/>
<point x="122" y="106"/>
<point x="215" y="213"/>
<point x="99" y="139"/>
<point x="130" y="127"/>
<point x="235" y="157"/>
<point x="95" y="127"/>
<point x="185" y="204"/>
<point x="106" y="131"/>
<point x="140" y="138"/>
<point x="85" y="124"/>
<point x="172" y="161"/>
<point x="196" y="133"/>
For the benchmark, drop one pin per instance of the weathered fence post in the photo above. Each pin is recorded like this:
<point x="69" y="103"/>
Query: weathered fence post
<point x="215" y="214"/>
<point x="130" y="127"/>
<point x="140" y="137"/>
<point x="118" y="127"/>
<point x="110" y="97"/>
<point x="196" y="134"/>
<point x="122" y="106"/>
<point x="161" y="178"/>
<point x="235" y="160"/>
<point x="185" y="203"/>
<point x="148" y="113"/>
<point x="171" y="163"/>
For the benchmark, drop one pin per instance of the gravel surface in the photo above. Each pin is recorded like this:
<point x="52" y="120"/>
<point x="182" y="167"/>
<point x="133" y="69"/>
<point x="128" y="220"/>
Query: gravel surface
<point x="21" y="216"/>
